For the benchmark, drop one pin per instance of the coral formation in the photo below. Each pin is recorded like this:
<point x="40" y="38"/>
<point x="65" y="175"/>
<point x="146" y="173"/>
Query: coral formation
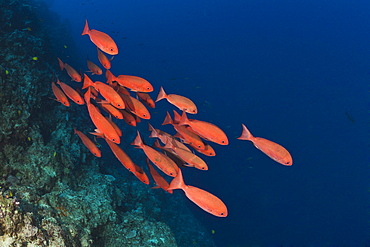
<point x="53" y="191"/>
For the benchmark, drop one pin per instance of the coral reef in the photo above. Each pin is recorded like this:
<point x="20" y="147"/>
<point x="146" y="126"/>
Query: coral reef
<point x="54" y="192"/>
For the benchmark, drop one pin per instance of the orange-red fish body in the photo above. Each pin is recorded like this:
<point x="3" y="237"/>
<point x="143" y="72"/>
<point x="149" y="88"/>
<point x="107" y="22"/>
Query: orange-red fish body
<point x="141" y="175"/>
<point x="135" y="83"/>
<point x="121" y="156"/>
<point x="61" y="64"/>
<point x="94" y="69"/>
<point x="116" y="128"/>
<point x="75" y="76"/>
<point x="106" y="91"/>
<point x="88" y="143"/>
<point x="135" y="106"/>
<point x="164" y="163"/>
<point x="158" y="179"/>
<point x="186" y="135"/>
<point x="102" y="124"/>
<point x="206" y="130"/>
<point x="128" y="117"/>
<point x="58" y="93"/>
<point x="208" y="150"/>
<point x="181" y="102"/>
<point x="110" y="109"/>
<point x="71" y="93"/>
<point x="146" y="99"/>
<point x="190" y="158"/>
<point x="104" y="61"/>
<point x="271" y="149"/>
<point x="203" y="199"/>
<point x="102" y="40"/>
<point x="165" y="137"/>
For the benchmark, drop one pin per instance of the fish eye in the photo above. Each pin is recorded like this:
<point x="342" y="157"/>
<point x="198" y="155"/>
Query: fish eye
<point x="113" y="140"/>
<point x="221" y="213"/>
<point x="223" y="141"/>
<point x="171" y="173"/>
<point x="144" y="115"/>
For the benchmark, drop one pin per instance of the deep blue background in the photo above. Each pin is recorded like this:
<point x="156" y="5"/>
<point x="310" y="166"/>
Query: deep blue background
<point x="289" y="70"/>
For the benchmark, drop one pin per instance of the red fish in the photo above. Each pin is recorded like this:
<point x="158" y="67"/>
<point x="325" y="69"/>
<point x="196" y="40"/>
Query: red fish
<point x="94" y="69"/>
<point x="135" y="83"/>
<point x="146" y="99"/>
<point x="121" y="156"/>
<point x="205" y="200"/>
<point x="271" y="149"/>
<point x="141" y="175"/>
<point x="159" y="180"/>
<point x="190" y="158"/>
<point x="102" y="40"/>
<point x="100" y="122"/>
<point x="88" y="143"/>
<point x="60" y="96"/>
<point x="135" y="106"/>
<point x="75" y="76"/>
<point x="116" y="128"/>
<point x="164" y="137"/>
<point x="181" y="102"/>
<point x="106" y="91"/>
<point x="186" y="135"/>
<point x="128" y="117"/>
<point x="160" y="160"/>
<point x="208" y="150"/>
<point x="71" y="93"/>
<point x="109" y="109"/>
<point x="206" y="130"/>
<point x="103" y="60"/>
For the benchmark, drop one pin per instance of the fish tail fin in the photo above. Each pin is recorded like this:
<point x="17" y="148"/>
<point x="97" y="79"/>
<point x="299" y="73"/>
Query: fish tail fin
<point x="177" y="182"/>
<point x="138" y="141"/>
<point x="184" y="119"/>
<point x="161" y="95"/>
<point x="169" y="144"/>
<point x="153" y="133"/>
<point x="246" y="134"/>
<point x="176" y="116"/>
<point x="87" y="82"/>
<point x="87" y="96"/>
<point x="167" y="119"/>
<point x="86" y="29"/>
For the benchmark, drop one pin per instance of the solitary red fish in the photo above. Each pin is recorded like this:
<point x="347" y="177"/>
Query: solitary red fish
<point x="271" y="149"/>
<point x="102" y="40"/>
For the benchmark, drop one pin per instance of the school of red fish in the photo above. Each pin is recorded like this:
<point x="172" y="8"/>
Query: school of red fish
<point x="113" y="97"/>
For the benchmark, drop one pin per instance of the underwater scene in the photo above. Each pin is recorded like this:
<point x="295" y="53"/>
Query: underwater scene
<point x="184" y="123"/>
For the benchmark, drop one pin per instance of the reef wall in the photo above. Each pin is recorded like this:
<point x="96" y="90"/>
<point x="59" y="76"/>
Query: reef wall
<point x="53" y="191"/>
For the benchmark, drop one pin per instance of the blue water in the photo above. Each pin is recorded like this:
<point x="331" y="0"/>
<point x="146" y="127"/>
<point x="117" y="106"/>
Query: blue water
<point x="295" y="72"/>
